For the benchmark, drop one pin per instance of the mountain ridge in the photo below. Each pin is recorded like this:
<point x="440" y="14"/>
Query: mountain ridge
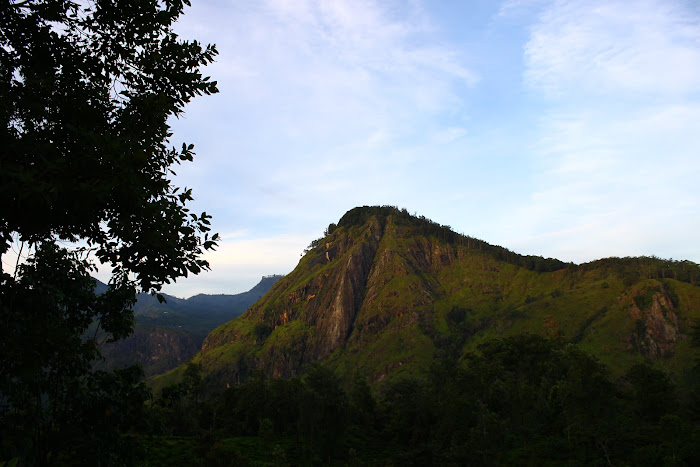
<point x="169" y="333"/>
<point x="385" y="292"/>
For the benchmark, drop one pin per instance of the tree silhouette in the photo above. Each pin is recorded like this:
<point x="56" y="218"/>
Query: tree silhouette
<point x="86" y="91"/>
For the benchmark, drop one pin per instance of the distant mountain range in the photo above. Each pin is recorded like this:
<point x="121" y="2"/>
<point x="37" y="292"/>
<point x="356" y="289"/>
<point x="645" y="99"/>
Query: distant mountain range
<point x="170" y="333"/>
<point x="384" y="293"/>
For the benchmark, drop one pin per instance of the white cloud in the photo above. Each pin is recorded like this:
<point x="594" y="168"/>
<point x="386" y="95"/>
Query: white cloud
<point x="614" y="47"/>
<point x="320" y="73"/>
<point x="618" y="153"/>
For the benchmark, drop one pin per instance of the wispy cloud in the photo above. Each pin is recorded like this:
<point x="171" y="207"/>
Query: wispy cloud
<point x="320" y="105"/>
<point x="618" y="152"/>
<point x="613" y="48"/>
<point x="557" y="127"/>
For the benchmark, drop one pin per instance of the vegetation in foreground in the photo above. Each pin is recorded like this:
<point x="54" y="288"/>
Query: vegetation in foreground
<point x="525" y="399"/>
<point x="87" y="90"/>
<point x="86" y="93"/>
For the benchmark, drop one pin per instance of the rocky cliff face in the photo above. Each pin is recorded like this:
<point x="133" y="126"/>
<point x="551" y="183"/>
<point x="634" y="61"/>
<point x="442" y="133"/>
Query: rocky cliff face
<point x="307" y="317"/>
<point x="656" y="330"/>
<point x="385" y="292"/>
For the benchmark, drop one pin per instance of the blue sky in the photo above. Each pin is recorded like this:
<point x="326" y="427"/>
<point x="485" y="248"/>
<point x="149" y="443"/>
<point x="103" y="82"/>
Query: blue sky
<point x="568" y="129"/>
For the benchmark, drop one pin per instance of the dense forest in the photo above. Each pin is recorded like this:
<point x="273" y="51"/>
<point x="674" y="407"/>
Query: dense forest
<point x="522" y="400"/>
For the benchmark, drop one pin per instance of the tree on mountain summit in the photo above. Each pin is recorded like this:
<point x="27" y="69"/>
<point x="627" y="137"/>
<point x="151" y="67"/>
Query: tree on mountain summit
<point x="86" y="90"/>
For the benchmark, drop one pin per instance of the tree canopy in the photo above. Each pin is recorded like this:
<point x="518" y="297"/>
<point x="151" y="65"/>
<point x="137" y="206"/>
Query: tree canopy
<point x="86" y="92"/>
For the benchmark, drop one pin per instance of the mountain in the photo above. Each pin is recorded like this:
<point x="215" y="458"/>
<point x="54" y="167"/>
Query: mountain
<point x="170" y="333"/>
<point x="201" y="313"/>
<point x="385" y="293"/>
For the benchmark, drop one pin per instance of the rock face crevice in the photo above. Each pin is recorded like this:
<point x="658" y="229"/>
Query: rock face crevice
<point x="334" y="319"/>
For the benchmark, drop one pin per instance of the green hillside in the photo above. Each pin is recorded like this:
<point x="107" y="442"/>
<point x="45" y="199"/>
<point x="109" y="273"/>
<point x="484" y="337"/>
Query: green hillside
<point x="385" y="292"/>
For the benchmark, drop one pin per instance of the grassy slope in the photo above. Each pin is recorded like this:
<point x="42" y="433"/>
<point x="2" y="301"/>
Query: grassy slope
<point x="418" y="304"/>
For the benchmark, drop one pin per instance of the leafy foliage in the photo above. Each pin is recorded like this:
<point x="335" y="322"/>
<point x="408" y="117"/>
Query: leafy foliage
<point x="86" y="91"/>
<point x="49" y="394"/>
<point x="86" y="94"/>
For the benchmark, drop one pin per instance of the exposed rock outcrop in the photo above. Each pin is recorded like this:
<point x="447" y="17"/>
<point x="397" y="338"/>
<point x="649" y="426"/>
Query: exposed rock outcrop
<point x="656" y="327"/>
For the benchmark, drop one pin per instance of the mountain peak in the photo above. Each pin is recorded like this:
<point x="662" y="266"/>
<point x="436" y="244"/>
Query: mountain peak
<point x="423" y="226"/>
<point x="384" y="291"/>
<point x="374" y="275"/>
